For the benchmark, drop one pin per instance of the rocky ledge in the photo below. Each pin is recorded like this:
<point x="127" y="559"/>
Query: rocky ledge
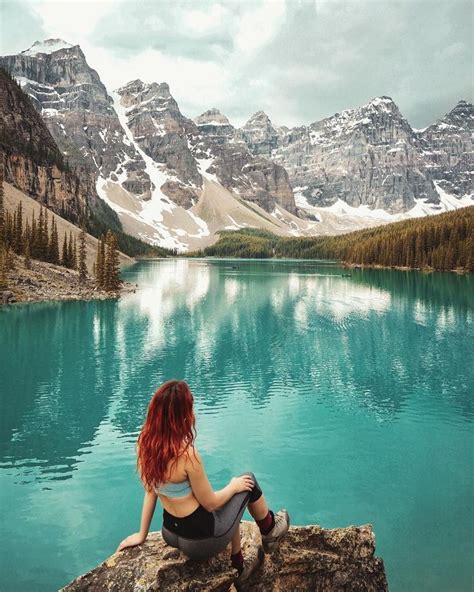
<point x="45" y="281"/>
<point x="310" y="558"/>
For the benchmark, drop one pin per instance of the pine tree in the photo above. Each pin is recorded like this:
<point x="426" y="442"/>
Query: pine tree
<point x="70" y="252"/>
<point x="45" y="235"/>
<point x="112" y="279"/>
<point x="41" y="240"/>
<point x="74" y="254"/>
<point x="18" y="230"/>
<point x="54" y="243"/>
<point x="82" y="267"/>
<point x="2" y="210"/>
<point x="100" y="263"/>
<point x="27" y="256"/>
<point x="3" y="269"/>
<point x="64" y="254"/>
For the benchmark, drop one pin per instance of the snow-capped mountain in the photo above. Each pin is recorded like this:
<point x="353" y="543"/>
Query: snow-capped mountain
<point x="448" y="150"/>
<point x="370" y="159"/>
<point x="176" y="182"/>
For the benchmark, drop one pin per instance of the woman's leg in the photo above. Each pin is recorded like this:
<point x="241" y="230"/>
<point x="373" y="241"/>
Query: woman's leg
<point x="236" y="541"/>
<point x="258" y="509"/>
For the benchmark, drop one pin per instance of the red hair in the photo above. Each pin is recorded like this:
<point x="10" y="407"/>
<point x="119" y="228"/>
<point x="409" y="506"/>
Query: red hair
<point x="168" y="431"/>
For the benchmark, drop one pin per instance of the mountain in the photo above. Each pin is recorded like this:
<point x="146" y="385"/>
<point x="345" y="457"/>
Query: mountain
<point x="77" y="109"/>
<point x="147" y="160"/>
<point x="174" y="181"/>
<point x="31" y="159"/>
<point x="364" y="156"/>
<point x="448" y="150"/>
<point x="34" y="164"/>
<point x="252" y="177"/>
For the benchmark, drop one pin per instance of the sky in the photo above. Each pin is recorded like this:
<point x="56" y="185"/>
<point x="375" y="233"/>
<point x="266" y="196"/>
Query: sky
<point x="297" y="60"/>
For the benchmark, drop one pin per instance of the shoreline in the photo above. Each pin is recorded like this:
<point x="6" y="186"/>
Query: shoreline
<point x="45" y="282"/>
<point x="344" y="264"/>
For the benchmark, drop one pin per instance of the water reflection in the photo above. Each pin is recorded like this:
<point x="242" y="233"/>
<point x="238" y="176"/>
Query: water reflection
<point x="366" y="343"/>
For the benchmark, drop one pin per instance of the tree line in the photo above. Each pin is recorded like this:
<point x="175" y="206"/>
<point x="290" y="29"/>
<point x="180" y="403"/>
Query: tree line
<point x="38" y="238"/>
<point x="443" y="242"/>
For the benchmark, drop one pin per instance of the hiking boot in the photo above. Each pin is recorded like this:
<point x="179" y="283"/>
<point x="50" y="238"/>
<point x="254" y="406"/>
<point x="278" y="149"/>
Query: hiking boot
<point x="282" y="523"/>
<point x="252" y="562"/>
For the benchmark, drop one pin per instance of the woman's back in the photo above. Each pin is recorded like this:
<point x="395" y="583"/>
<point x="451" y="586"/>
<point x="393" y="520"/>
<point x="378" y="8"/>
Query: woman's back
<point x="176" y="473"/>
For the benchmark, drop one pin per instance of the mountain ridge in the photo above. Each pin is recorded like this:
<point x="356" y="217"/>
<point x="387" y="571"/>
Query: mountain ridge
<point x="150" y="161"/>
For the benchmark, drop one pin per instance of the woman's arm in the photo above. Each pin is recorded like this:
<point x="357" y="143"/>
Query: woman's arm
<point x="148" y="509"/>
<point x="202" y="490"/>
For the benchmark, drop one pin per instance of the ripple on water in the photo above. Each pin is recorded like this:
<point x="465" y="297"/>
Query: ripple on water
<point x="355" y="392"/>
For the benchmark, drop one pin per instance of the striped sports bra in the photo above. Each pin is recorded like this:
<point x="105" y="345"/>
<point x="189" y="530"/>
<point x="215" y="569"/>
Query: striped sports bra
<point x="175" y="489"/>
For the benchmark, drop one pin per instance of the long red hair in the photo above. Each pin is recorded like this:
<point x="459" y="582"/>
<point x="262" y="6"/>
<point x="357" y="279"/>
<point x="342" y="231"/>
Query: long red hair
<point x="169" y="430"/>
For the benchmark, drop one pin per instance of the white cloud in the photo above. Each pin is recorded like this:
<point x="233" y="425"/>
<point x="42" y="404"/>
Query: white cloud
<point x="299" y="60"/>
<point x="258" y="25"/>
<point x="69" y="19"/>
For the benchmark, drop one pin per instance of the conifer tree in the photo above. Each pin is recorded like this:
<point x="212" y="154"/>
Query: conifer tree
<point x="41" y="240"/>
<point x="54" y="244"/>
<point x="3" y="269"/>
<point x="18" y="230"/>
<point x="70" y="252"/>
<point x="112" y="279"/>
<point x="100" y="263"/>
<point x="64" y="253"/>
<point x="82" y="267"/>
<point x="74" y="254"/>
<point x="27" y="256"/>
<point x="2" y="210"/>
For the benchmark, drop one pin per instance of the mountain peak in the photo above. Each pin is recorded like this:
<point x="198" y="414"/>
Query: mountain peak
<point x="383" y="102"/>
<point x="212" y="117"/>
<point x="47" y="46"/>
<point x="258" y="118"/>
<point x="462" y="116"/>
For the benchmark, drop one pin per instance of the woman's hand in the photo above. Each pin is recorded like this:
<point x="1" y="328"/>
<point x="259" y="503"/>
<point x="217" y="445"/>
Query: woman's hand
<point x="131" y="541"/>
<point x="243" y="483"/>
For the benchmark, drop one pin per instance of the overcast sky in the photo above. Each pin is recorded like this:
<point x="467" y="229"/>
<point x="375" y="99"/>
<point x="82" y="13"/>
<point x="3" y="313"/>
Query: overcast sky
<point x="298" y="60"/>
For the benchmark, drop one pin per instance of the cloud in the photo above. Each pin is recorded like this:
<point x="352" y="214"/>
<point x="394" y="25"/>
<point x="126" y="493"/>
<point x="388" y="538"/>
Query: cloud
<point x="19" y="26"/>
<point x="299" y="60"/>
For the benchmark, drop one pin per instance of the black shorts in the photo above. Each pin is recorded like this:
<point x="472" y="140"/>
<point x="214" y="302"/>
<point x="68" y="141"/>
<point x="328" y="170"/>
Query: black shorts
<point x="203" y="534"/>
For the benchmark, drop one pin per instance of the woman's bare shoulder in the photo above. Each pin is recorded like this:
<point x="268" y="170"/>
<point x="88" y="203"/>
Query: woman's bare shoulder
<point x="192" y="456"/>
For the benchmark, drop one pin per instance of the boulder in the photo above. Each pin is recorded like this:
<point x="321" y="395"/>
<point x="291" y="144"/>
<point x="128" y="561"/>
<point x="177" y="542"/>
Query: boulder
<point x="308" y="558"/>
<point x="7" y="297"/>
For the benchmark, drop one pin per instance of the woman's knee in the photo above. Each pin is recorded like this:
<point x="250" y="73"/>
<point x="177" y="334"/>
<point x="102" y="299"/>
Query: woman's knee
<point x="256" y="492"/>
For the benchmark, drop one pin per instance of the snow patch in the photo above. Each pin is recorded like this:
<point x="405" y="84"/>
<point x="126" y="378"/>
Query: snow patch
<point x="47" y="46"/>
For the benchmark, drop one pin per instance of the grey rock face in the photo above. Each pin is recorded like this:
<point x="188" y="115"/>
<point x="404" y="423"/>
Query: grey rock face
<point x="77" y="110"/>
<point x="228" y="157"/>
<point x="260" y="135"/>
<point x="364" y="156"/>
<point x="448" y="150"/>
<point x="161" y="131"/>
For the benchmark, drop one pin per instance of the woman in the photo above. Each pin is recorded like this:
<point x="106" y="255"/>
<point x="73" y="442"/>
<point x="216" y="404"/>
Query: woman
<point x="197" y="520"/>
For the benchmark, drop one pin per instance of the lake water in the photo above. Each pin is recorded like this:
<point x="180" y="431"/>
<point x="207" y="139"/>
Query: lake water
<point x="350" y="398"/>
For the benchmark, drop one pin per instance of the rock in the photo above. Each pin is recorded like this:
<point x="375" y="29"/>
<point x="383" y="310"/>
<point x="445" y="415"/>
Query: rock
<point x="8" y="297"/>
<point x="309" y="558"/>
<point x="222" y="152"/>
<point x="364" y="156"/>
<point x="448" y="150"/>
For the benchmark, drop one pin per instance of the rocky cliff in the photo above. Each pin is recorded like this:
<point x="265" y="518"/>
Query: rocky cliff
<point x="77" y="109"/>
<point x="309" y="558"/>
<point x="365" y="156"/>
<point x="30" y="157"/>
<point x="223" y="153"/>
<point x="448" y="150"/>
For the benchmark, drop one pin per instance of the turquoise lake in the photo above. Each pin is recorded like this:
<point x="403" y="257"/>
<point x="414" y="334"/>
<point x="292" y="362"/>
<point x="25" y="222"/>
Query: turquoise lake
<point x="350" y="398"/>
